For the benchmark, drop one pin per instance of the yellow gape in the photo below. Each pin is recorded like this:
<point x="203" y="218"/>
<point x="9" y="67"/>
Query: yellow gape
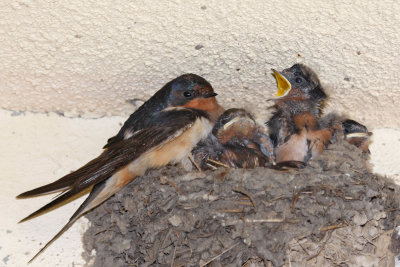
<point x="284" y="85"/>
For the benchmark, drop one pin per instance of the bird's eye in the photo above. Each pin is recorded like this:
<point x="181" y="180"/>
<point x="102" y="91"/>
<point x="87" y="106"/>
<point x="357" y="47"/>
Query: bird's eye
<point x="187" y="94"/>
<point x="299" y="80"/>
<point x="224" y="120"/>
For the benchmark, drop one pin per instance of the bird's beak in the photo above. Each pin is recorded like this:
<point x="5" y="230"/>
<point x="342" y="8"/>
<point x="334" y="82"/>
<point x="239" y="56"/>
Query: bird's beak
<point x="210" y="94"/>
<point x="360" y="134"/>
<point x="283" y="84"/>
<point x="245" y="118"/>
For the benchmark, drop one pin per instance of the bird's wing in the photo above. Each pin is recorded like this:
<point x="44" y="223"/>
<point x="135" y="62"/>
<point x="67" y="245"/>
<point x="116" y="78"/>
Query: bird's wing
<point x="175" y="122"/>
<point x="64" y="183"/>
<point x="138" y="120"/>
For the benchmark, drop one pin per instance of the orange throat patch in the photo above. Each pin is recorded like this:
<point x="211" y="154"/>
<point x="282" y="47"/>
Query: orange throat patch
<point x="209" y="105"/>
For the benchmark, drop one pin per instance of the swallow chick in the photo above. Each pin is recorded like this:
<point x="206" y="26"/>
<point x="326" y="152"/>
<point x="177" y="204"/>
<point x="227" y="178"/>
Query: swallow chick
<point x="346" y="129"/>
<point x="163" y="130"/>
<point x="236" y="141"/>
<point x="294" y="127"/>
<point x="357" y="134"/>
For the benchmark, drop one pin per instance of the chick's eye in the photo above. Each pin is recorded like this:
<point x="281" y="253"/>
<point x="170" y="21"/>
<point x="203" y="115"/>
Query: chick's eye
<point x="299" y="80"/>
<point x="224" y="121"/>
<point x="187" y="94"/>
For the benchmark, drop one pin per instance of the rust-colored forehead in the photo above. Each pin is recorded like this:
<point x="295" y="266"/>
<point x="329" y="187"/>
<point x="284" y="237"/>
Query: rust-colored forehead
<point x="191" y="82"/>
<point x="202" y="89"/>
<point x="195" y="80"/>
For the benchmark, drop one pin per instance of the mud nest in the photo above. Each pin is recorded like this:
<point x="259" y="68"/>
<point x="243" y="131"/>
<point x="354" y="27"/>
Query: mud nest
<point x="334" y="212"/>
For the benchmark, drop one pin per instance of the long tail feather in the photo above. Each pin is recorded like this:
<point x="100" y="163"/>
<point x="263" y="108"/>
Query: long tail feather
<point x="64" y="182"/>
<point x="53" y="204"/>
<point x="83" y="208"/>
<point x="46" y="189"/>
<point x="65" y="228"/>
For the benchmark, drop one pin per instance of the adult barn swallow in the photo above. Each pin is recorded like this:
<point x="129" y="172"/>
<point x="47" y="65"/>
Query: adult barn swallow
<point x="294" y="128"/>
<point x="163" y="130"/>
<point x="236" y="141"/>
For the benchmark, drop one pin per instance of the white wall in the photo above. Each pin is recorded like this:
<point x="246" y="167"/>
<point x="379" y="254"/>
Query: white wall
<point x="87" y="57"/>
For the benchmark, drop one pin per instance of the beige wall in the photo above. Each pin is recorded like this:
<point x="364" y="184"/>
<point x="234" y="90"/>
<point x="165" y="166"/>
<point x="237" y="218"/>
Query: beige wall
<point x="87" y="57"/>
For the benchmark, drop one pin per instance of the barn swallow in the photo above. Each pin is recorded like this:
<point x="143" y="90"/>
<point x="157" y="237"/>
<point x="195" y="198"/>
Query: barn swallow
<point x="357" y="134"/>
<point x="163" y="130"/>
<point x="236" y="141"/>
<point x="346" y="129"/>
<point x="294" y="127"/>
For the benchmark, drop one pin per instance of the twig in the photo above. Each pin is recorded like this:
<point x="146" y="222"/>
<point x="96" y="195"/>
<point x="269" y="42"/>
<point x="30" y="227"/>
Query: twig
<point x="391" y="210"/>
<point x="336" y="192"/>
<point x="173" y="185"/>
<point x="294" y="200"/>
<point x="102" y="231"/>
<point x="324" y="186"/>
<point x="291" y="221"/>
<point x="333" y="227"/>
<point x="277" y="198"/>
<point x="272" y="220"/>
<point x="190" y="156"/>
<point x="211" y="166"/>
<point x="302" y="247"/>
<point x="218" y="163"/>
<point x="146" y="201"/>
<point x="173" y="257"/>
<point x="176" y="233"/>
<point x="321" y="248"/>
<point x="247" y="194"/>
<point x="360" y="182"/>
<point x="219" y="255"/>
<point x="354" y="170"/>
<point x="232" y="210"/>
<point x="247" y="220"/>
<point x="206" y="235"/>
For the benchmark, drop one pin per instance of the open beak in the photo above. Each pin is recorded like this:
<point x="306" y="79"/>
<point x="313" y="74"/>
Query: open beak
<point x="283" y="84"/>
<point x="360" y="134"/>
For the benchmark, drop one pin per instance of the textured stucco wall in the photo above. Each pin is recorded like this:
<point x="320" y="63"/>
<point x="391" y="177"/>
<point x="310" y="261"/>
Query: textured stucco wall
<point x="87" y="57"/>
